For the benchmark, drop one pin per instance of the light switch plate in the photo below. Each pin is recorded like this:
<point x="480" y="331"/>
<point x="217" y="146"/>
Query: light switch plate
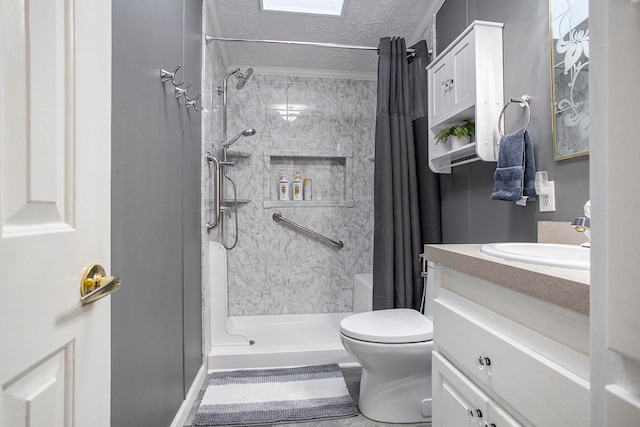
<point x="547" y="202"/>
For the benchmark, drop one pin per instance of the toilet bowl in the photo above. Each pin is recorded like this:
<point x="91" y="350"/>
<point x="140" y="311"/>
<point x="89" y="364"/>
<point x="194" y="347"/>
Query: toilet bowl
<point x="394" y="349"/>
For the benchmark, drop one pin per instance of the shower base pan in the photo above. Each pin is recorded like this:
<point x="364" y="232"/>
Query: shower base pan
<point x="283" y="340"/>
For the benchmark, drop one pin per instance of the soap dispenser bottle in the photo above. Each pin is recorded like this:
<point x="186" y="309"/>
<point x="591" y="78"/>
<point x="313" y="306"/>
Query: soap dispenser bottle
<point x="283" y="187"/>
<point x="297" y="187"/>
<point x="307" y="188"/>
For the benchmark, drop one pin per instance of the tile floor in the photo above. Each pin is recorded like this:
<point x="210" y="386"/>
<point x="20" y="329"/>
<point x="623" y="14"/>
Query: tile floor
<point x="352" y="378"/>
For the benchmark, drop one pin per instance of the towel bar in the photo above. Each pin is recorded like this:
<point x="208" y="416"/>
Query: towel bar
<point x="524" y="102"/>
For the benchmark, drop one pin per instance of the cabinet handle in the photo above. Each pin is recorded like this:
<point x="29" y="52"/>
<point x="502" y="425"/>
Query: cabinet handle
<point x="483" y="361"/>
<point x="489" y="425"/>
<point x="447" y="84"/>
<point x="474" y="414"/>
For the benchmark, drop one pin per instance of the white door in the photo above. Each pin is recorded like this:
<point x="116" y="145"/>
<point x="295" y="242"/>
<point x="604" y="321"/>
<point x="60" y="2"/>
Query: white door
<point x="55" y="91"/>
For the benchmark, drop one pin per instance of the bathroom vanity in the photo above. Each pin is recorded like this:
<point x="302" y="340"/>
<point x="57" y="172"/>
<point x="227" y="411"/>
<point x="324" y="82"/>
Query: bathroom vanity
<point x="511" y="341"/>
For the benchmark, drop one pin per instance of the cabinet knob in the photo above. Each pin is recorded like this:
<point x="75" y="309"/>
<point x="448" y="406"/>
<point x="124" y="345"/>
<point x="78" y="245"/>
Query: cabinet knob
<point x="483" y="361"/>
<point x="450" y="82"/>
<point x="474" y="413"/>
<point x="489" y="425"/>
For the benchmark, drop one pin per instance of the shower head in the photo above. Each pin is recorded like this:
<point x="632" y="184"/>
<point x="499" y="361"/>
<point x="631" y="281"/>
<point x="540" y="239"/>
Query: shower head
<point x="248" y="132"/>
<point x="243" y="78"/>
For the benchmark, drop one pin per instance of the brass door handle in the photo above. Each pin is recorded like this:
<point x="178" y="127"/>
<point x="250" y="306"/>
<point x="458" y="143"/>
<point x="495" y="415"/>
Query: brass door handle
<point x="95" y="284"/>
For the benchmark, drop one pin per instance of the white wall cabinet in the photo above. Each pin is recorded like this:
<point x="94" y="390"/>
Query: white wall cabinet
<point x="493" y="357"/>
<point x="466" y="83"/>
<point x="452" y="81"/>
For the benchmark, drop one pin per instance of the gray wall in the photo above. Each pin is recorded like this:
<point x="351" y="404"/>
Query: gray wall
<point x="469" y="214"/>
<point x="156" y="315"/>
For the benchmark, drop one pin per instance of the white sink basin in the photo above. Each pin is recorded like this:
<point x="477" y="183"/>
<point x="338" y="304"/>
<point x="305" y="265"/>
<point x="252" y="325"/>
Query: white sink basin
<point x="549" y="254"/>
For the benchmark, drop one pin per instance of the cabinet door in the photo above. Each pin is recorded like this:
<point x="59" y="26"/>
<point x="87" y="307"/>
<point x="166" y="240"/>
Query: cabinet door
<point x="456" y="401"/>
<point x="439" y="82"/>
<point x="462" y="81"/>
<point x="623" y="407"/>
<point x="498" y="417"/>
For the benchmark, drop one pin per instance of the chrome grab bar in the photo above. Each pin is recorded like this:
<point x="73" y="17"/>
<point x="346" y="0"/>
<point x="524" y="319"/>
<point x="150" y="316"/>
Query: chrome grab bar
<point x="216" y="193"/>
<point x="337" y="243"/>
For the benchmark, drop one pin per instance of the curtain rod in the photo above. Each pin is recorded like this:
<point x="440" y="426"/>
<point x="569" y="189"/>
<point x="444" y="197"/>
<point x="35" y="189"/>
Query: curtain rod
<point x="210" y="39"/>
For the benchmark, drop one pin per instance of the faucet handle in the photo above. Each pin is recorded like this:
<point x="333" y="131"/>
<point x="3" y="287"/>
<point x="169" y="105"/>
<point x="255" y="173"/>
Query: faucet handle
<point x="580" y="224"/>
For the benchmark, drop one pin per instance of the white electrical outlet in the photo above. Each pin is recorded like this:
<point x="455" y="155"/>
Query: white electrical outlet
<point x="548" y="201"/>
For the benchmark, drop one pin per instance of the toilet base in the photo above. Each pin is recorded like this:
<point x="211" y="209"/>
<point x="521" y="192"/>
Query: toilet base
<point x="397" y="400"/>
<point x="394" y="349"/>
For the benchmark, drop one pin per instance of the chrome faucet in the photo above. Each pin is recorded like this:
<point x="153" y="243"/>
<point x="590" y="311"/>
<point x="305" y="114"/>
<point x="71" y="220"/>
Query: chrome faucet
<point x="581" y="224"/>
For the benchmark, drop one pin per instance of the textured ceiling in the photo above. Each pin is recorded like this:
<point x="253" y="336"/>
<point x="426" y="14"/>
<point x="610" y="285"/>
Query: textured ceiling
<point x="363" y="23"/>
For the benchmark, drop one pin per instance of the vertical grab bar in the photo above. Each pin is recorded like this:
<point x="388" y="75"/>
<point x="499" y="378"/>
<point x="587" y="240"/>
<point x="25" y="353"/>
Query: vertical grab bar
<point x="216" y="193"/>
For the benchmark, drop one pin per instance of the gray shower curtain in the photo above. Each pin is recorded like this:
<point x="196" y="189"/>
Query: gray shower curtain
<point x="400" y="178"/>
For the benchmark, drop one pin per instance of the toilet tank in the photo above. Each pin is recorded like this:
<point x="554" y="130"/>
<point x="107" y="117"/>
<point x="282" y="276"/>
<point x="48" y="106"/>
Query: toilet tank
<point x="362" y="292"/>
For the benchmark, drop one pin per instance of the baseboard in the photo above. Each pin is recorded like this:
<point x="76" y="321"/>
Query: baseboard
<point x="187" y="404"/>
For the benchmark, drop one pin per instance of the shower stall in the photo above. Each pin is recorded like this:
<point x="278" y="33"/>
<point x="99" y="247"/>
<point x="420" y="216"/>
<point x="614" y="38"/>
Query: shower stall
<point x="275" y="295"/>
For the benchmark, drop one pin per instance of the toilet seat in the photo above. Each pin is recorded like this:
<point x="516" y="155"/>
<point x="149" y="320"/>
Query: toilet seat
<point x="394" y="326"/>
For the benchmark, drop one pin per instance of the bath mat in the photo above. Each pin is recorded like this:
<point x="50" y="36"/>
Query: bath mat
<point x="267" y="396"/>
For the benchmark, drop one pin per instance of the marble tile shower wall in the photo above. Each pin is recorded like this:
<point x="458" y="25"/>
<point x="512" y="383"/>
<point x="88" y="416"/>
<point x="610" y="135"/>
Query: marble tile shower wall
<point x="273" y="269"/>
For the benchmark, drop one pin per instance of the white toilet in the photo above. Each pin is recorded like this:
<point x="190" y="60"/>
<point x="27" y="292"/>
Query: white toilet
<point x="394" y="349"/>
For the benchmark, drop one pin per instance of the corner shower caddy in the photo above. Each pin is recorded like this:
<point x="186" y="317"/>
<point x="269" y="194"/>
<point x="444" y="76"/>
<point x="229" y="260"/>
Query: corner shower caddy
<point x="332" y="172"/>
<point x="466" y="83"/>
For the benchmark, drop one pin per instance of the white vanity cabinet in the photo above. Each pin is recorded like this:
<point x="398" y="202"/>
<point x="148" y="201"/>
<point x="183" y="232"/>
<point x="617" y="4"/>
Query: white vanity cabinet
<point x="466" y="83"/>
<point x="504" y="358"/>
<point x="462" y="403"/>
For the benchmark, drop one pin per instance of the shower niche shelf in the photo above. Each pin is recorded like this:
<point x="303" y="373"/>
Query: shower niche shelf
<point x="230" y="202"/>
<point x="331" y="172"/>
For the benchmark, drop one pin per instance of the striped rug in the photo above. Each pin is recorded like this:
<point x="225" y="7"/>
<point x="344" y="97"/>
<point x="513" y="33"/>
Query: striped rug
<point x="264" y="396"/>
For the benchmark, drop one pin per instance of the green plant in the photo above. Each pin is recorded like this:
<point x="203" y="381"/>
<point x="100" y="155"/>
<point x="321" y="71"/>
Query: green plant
<point x="459" y="131"/>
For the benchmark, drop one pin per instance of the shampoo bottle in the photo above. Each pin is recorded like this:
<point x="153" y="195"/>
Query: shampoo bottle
<point x="283" y="187"/>
<point x="297" y="187"/>
<point x="307" y="188"/>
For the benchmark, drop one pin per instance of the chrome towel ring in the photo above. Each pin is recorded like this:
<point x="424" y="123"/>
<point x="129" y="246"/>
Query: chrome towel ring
<point x="524" y="102"/>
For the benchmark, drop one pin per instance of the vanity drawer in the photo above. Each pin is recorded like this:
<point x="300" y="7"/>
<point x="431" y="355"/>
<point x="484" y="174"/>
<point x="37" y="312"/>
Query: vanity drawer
<point x="545" y="393"/>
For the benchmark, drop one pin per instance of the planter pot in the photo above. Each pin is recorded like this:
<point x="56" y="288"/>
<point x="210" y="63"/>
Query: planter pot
<point x="459" y="142"/>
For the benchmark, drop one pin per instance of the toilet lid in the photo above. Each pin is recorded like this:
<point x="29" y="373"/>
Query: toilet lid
<point x="400" y="325"/>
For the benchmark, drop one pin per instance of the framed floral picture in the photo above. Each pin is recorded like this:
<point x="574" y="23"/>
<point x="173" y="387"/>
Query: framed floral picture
<point x="570" y="77"/>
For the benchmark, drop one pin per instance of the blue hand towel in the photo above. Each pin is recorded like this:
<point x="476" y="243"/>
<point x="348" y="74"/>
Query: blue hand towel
<point x="515" y="174"/>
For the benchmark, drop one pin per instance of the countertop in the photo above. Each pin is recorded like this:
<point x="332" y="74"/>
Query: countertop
<point x="560" y="286"/>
